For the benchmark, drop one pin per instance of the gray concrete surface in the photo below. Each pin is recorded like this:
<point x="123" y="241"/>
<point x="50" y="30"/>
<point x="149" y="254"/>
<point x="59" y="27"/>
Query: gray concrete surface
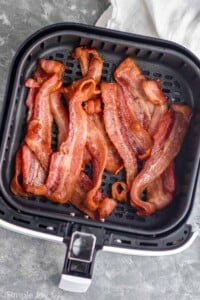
<point x="31" y="268"/>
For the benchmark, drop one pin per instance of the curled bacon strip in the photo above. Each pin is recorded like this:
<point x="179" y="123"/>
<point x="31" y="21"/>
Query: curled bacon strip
<point x="90" y="62"/>
<point x="94" y="200"/>
<point x="114" y="163"/>
<point x="15" y="185"/>
<point x="32" y="172"/>
<point x="155" y="96"/>
<point x="119" y="191"/>
<point x="116" y="131"/>
<point x="130" y="78"/>
<point x="84" y="185"/>
<point x="140" y="139"/>
<point x="98" y="151"/>
<point x="38" y="136"/>
<point x="60" y="117"/>
<point x="65" y="165"/>
<point x="167" y="142"/>
<point x="93" y="106"/>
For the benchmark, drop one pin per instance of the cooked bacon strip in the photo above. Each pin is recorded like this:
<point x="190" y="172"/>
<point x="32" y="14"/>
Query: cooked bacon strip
<point x="90" y="62"/>
<point x="167" y="143"/>
<point x="39" y="77"/>
<point x="84" y="185"/>
<point x="130" y="77"/>
<point x="93" y="106"/>
<point x="26" y="164"/>
<point x="98" y="151"/>
<point x="157" y="198"/>
<point x="141" y="139"/>
<point x="168" y="179"/>
<point x="119" y="191"/>
<point x="106" y="207"/>
<point x="156" y="96"/>
<point x="32" y="172"/>
<point x="38" y="136"/>
<point x="15" y="184"/>
<point x="114" y="163"/>
<point x="116" y="132"/>
<point x="52" y="66"/>
<point x="159" y="192"/>
<point x="65" y="165"/>
<point x="60" y="116"/>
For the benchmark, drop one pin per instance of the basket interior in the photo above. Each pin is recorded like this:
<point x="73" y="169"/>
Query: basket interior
<point x="179" y="82"/>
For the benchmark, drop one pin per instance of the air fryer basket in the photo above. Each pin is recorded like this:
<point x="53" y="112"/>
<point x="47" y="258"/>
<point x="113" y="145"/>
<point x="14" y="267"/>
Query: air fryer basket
<point x="179" y="73"/>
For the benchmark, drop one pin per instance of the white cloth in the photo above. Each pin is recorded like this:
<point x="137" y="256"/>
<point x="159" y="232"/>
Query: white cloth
<point x="175" y="20"/>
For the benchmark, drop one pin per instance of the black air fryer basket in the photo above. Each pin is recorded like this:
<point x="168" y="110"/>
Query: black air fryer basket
<point x="164" y="232"/>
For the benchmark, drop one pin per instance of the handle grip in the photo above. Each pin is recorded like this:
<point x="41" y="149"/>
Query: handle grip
<point x="74" y="284"/>
<point x="78" y="267"/>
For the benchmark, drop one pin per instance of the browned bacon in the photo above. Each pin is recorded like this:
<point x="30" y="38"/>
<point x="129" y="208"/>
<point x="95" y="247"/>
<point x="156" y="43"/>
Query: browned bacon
<point x="16" y="185"/>
<point x="60" y="116"/>
<point x="98" y="151"/>
<point x="139" y="137"/>
<point x="65" y="165"/>
<point x="33" y="158"/>
<point x="84" y="185"/>
<point x="90" y="62"/>
<point x="38" y="136"/>
<point x="167" y="142"/>
<point x="130" y="78"/>
<point x="155" y="96"/>
<point x="116" y="131"/>
<point x="114" y="163"/>
<point x="93" y="106"/>
<point x="32" y="172"/>
<point x="119" y="191"/>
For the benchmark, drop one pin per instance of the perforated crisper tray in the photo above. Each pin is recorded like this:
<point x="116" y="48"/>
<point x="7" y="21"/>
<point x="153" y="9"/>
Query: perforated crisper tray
<point x="179" y="73"/>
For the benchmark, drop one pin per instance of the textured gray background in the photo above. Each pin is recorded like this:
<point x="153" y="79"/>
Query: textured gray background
<point x="31" y="268"/>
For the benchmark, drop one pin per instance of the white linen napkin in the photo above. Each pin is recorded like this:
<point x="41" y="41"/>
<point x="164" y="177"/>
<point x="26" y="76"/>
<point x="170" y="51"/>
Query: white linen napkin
<point x="174" y="20"/>
<point x="178" y="21"/>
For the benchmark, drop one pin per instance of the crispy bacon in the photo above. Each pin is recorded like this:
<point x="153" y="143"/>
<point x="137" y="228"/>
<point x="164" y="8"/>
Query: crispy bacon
<point x="93" y="106"/>
<point x="90" y="62"/>
<point x="119" y="191"/>
<point x="33" y="158"/>
<point x="60" y="116"/>
<point x="114" y="163"/>
<point x="141" y="139"/>
<point x="15" y="185"/>
<point x="65" y="165"/>
<point x="84" y="185"/>
<point x="155" y="96"/>
<point x="32" y="172"/>
<point x="38" y="136"/>
<point x="98" y="151"/>
<point x="168" y="179"/>
<point x="167" y="142"/>
<point x="116" y="131"/>
<point x="52" y="67"/>
<point x="130" y="78"/>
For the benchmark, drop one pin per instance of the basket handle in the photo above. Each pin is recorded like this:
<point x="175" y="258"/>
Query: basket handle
<point x="79" y="261"/>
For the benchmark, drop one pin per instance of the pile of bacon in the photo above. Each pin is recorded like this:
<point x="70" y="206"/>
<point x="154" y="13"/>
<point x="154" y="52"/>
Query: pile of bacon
<point x="122" y="124"/>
